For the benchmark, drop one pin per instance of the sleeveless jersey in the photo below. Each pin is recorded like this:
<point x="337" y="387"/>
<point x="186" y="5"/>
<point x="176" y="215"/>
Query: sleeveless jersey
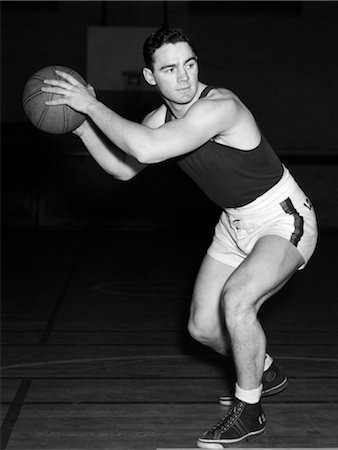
<point x="231" y="177"/>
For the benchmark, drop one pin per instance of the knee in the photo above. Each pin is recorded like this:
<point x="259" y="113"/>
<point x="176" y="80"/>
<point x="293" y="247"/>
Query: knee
<point x="238" y="304"/>
<point x="201" y="331"/>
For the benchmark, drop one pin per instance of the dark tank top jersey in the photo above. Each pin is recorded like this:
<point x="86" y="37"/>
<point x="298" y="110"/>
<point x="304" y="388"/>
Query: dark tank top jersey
<point x="231" y="177"/>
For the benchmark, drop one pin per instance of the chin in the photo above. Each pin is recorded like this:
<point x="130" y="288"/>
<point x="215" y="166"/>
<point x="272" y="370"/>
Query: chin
<point x="186" y="96"/>
<point x="181" y="97"/>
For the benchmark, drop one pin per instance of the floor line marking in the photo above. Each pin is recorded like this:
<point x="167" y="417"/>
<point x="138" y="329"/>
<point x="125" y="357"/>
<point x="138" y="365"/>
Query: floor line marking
<point x="138" y="358"/>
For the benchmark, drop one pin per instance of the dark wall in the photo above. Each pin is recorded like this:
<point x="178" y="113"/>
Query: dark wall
<point x="279" y="57"/>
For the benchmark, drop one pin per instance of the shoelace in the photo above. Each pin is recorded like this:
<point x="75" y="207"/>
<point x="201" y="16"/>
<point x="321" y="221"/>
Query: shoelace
<point x="230" y="418"/>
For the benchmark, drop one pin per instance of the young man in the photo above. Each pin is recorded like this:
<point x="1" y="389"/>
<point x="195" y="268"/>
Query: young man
<point x="267" y="230"/>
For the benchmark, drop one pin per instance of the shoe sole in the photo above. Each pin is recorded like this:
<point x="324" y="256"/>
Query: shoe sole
<point x="276" y="389"/>
<point x="227" y="401"/>
<point x="225" y="442"/>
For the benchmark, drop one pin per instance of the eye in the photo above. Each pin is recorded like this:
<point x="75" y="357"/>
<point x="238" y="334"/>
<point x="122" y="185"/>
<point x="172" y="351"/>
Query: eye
<point x="191" y="64"/>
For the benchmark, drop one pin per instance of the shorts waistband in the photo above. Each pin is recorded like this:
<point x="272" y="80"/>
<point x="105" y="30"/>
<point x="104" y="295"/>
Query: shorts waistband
<point x="285" y="187"/>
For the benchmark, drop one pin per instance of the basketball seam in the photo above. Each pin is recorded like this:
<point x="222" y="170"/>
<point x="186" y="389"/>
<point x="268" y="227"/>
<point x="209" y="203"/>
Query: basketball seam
<point x="31" y="96"/>
<point x="42" y="115"/>
<point x="37" y="77"/>
<point x="34" y="77"/>
<point x="70" y="73"/>
<point x="64" y="118"/>
<point x="64" y="111"/>
<point x="44" y="112"/>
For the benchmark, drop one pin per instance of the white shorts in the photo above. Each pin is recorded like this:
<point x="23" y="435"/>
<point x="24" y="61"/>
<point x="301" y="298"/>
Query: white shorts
<point x="284" y="210"/>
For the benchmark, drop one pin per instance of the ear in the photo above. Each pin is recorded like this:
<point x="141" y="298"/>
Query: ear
<point x="149" y="77"/>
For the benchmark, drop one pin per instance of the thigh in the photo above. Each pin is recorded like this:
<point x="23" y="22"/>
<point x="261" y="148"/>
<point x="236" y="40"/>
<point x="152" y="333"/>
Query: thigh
<point x="212" y="276"/>
<point x="267" y="268"/>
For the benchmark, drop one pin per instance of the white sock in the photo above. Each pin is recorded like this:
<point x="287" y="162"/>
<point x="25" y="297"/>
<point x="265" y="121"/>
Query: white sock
<point x="267" y="362"/>
<point x="248" y="396"/>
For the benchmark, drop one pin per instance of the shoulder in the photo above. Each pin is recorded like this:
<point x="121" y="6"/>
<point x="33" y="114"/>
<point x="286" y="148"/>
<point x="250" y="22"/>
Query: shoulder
<point x="220" y="93"/>
<point x="218" y="103"/>
<point x="223" y="99"/>
<point x="223" y="112"/>
<point x="155" y="118"/>
<point x="241" y="130"/>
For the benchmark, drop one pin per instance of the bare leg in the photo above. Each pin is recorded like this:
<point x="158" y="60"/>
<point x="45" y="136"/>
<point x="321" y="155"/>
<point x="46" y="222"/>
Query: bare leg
<point x="268" y="267"/>
<point x="206" y="323"/>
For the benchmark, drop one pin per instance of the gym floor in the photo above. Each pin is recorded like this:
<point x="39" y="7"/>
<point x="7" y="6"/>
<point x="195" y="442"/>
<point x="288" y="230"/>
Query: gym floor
<point x="96" y="354"/>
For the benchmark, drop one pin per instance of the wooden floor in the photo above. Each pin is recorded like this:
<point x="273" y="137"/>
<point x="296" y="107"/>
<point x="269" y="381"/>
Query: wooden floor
<point x="96" y="356"/>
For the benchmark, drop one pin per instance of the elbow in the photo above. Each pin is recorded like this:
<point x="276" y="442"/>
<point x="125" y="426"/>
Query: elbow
<point x="146" y="156"/>
<point x="144" y="153"/>
<point x="140" y="154"/>
<point x="123" y="175"/>
<point x="143" y="158"/>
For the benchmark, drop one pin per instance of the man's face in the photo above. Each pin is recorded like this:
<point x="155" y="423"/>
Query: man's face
<point x="175" y="72"/>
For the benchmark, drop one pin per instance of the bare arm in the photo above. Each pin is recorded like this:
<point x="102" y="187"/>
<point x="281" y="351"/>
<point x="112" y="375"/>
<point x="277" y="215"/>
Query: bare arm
<point x="115" y="162"/>
<point x="204" y="120"/>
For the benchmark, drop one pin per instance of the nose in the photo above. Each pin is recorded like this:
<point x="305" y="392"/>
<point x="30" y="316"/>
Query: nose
<point x="182" y="75"/>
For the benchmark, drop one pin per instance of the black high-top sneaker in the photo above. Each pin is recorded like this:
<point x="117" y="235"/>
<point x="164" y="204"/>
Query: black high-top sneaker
<point x="243" y="422"/>
<point x="273" y="380"/>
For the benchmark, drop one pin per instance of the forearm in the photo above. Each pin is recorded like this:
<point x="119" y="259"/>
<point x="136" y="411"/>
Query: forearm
<point x="204" y="120"/>
<point x="111" y="159"/>
<point x="132" y="138"/>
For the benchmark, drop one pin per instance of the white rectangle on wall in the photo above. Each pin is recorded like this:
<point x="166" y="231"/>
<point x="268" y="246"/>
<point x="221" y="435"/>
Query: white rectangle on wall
<point x="115" y="58"/>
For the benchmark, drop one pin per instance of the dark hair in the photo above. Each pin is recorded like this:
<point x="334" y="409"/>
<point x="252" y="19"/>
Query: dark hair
<point x="162" y="36"/>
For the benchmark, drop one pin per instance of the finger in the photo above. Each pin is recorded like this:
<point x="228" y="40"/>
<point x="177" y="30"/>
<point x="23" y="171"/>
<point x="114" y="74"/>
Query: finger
<point x="55" y="90"/>
<point x="68" y="77"/>
<point x="91" y="90"/>
<point x="58" y="101"/>
<point x="58" y="83"/>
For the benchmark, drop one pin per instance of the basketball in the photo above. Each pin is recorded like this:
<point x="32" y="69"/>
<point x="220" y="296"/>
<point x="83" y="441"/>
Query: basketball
<point x="58" y="119"/>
